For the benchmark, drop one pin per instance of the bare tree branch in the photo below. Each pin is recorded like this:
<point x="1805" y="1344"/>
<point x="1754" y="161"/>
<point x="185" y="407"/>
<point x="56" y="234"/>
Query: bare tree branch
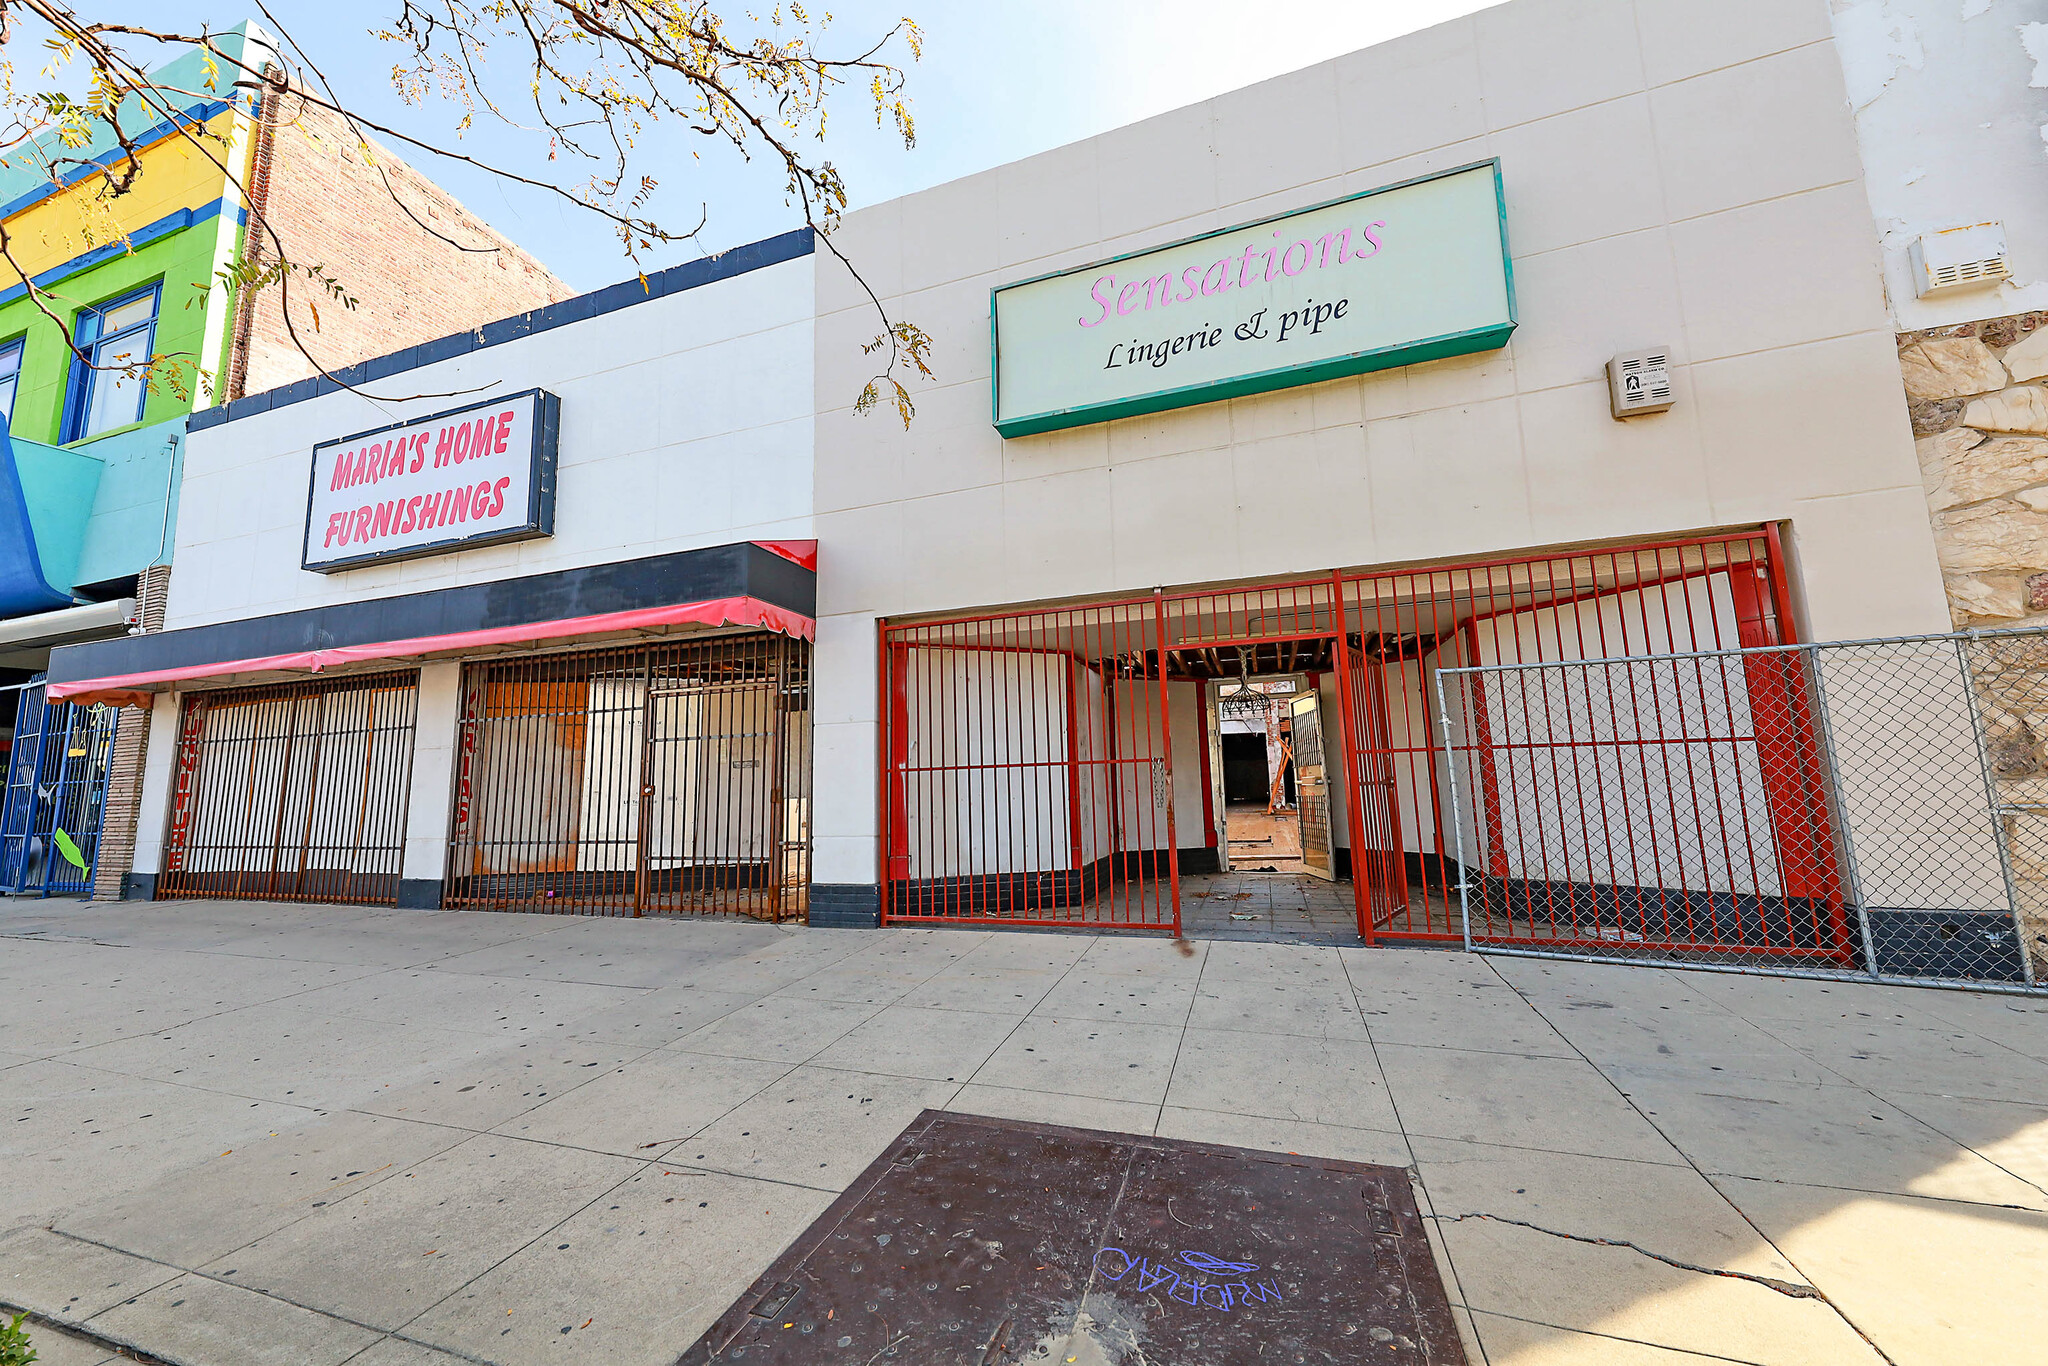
<point x="598" y="75"/>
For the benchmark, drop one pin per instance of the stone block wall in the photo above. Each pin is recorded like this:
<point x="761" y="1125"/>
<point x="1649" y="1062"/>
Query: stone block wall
<point x="1978" y="393"/>
<point x="1980" y="418"/>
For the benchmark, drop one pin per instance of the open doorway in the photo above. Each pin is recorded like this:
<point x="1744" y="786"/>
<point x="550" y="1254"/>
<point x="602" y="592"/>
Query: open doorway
<point x="1253" y="758"/>
<point x="1277" y="849"/>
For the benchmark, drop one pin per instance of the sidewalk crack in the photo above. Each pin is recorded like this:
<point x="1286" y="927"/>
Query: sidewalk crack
<point x="1793" y="1289"/>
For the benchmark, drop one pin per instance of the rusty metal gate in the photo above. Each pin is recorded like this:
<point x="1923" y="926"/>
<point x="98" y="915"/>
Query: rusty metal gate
<point x="292" y="792"/>
<point x="658" y="779"/>
<point x="1050" y="766"/>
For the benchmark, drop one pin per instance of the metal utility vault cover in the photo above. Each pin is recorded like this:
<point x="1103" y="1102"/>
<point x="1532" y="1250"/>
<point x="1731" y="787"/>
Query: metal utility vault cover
<point x="989" y="1242"/>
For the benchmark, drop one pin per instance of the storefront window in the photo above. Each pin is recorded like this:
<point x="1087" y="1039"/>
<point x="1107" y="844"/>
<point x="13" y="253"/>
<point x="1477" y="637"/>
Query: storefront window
<point x="117" y="337"/>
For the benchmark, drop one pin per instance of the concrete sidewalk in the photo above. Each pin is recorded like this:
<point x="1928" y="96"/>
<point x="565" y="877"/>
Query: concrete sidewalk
<point x="309" y="1135"/>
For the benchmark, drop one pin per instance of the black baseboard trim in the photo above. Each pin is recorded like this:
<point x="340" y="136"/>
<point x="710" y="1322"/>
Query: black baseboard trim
<point x="1980" y="946"/>
<point x="419" y="894"/>
<point x="138" y="886"/>
<point x="845" y="906"/>
<point x="1663" y="914"/>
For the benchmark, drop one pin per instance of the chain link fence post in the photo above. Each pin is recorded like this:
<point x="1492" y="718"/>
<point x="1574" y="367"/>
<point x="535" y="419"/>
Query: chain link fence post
<point x="1451" y="752"/>
<point x="1852" y="887"/>
<point x="1994" y="809"/>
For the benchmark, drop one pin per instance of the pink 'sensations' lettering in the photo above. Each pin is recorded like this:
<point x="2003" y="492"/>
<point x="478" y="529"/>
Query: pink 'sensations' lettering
<point x="1367" y="232"/>
<point x="1232" y="272"/>
<point x="1101" y="302"/>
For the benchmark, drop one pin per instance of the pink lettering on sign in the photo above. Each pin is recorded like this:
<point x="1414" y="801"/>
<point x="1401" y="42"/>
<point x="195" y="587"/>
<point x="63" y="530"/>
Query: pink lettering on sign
<point x="1124" y="296"/>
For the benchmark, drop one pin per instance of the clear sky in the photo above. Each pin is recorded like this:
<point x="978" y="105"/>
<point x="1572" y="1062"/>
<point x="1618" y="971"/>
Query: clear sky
<point x="1000" y="79"/>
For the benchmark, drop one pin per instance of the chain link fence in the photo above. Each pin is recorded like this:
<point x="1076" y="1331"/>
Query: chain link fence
<point x="1871" y="809"/>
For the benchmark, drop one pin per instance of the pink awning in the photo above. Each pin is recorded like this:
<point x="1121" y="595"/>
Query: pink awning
<point x="127" y="689"/>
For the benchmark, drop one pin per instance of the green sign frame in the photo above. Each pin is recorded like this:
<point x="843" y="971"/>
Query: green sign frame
<point x="1467" y="341"/>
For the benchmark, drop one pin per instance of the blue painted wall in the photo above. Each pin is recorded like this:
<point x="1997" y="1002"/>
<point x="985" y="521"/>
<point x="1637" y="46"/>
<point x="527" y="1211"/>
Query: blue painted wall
<point x="71" y="516"/>
<point x="22" y="586"/>
<point x="59" y="486"/>
<point x="131" y="528"/>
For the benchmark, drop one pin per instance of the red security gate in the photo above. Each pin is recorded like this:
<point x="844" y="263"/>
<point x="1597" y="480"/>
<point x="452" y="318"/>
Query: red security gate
<point x="1049" y="767"/>
<point x="1029" y="768"/>
<point x="1662" y="599"/>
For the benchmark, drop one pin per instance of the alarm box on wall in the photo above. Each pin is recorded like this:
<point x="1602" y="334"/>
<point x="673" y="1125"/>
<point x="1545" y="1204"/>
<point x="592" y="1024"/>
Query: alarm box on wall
<point x="1639" y="382"/>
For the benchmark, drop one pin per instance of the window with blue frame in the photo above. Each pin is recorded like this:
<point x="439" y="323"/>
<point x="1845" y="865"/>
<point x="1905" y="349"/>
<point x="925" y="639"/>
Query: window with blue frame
<point x="10" y="377"/>
<point x="117" y="336"/>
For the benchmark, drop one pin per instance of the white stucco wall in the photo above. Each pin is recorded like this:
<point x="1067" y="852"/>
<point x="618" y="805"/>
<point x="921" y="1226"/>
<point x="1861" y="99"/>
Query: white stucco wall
<point x="1677" y="174"/>
<point x="685" y="422"/>
<point x="1951" y="108"/>
<point x="158" y="766"/>
<point x="433" y="771"/>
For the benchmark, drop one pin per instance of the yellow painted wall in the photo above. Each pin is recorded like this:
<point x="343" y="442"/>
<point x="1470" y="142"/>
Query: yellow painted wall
<point x="175" y="175"/>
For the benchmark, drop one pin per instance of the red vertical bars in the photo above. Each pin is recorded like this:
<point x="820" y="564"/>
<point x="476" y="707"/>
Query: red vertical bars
<point x="965" y="824"/>
<point x="1652" y="599"/>
<point x="1019" y="755"/>
<point x="1349" y="665"/>
<point x="1159" y="656"/>
<point x="1660" y="798"/>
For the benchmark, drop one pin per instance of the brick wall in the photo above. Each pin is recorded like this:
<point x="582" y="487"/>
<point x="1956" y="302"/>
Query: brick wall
<point x="387" y="233"/>
<point x="130" y="750"/>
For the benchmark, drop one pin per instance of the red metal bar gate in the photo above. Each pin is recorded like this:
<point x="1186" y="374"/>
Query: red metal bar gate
<point x="1030" y="758"/>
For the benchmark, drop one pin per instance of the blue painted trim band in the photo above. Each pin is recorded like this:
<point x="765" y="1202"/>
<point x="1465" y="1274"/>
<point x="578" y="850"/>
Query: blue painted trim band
<point x="771" y="251"/>
<point x="141" y="237"/>
<point x="197" y="114"/>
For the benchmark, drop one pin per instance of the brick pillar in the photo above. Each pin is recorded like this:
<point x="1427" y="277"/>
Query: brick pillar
<point x="125" y="763"/>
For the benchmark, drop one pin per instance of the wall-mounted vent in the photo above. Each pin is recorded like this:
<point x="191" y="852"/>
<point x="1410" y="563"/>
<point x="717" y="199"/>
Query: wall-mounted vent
<point x="1639" y="382"/>
<point x="1958" y="258"/>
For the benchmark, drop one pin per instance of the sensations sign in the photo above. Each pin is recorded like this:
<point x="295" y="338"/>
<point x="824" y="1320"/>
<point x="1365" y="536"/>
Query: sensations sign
<point x="447" y="482"/>
<point x="1393" y="276"/>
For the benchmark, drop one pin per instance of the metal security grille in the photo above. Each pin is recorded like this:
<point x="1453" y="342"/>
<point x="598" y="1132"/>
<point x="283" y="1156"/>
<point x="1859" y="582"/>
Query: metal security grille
<point x="292" y="792"/>
<point x="1029" y="769"/>
<point x="659" y="779"/>
<point x="1869" y="808"/>
<point x="1052" y="766"/>
<point x="1705" y="593"/>
<point x="54" y="795"/>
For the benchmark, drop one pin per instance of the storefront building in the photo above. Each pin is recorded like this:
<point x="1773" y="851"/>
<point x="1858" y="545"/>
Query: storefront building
<point x="91" y="455"/>
<point x="544" y="648"/>
<point x="1532" y="336"/>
